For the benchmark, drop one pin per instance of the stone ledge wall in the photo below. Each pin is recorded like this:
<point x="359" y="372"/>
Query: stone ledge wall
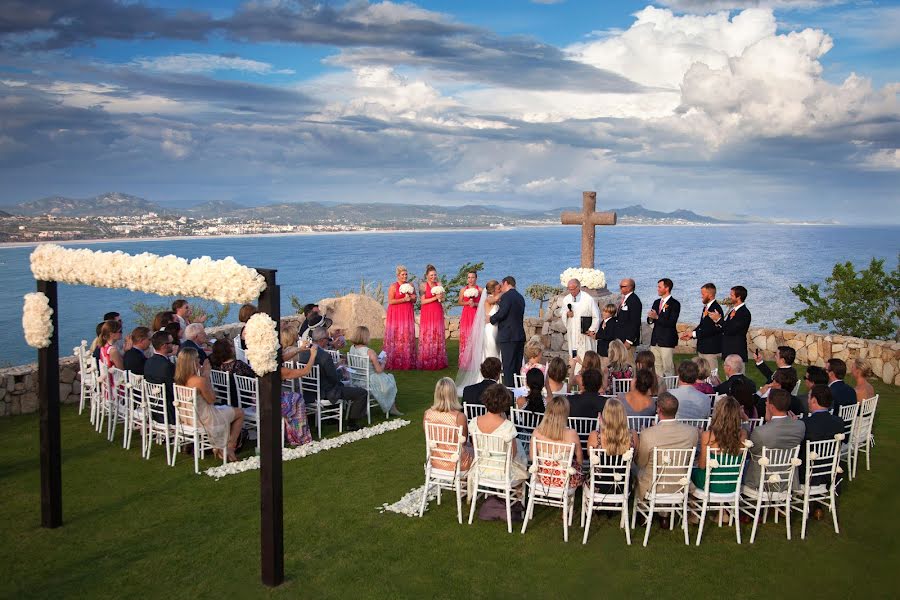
<point x="18" y="385"/>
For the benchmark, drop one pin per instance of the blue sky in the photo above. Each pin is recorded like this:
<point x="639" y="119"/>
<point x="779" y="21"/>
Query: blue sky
<point x="783" y="108"/>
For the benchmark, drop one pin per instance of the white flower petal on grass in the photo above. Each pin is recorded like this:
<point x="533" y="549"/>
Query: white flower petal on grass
<point x="36" y="320"/>
<point x="252" y="463"/>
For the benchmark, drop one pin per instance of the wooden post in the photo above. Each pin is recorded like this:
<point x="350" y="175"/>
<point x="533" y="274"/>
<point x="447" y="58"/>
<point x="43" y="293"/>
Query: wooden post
<point x="588" y="218"/>
<point x="271" y="489"/>
<point x="48" y="396"/>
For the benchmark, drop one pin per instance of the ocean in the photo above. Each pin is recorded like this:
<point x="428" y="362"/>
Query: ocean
<point x="766" y="259"/>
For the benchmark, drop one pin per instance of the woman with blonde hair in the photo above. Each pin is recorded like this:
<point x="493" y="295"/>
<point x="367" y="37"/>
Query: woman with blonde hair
<point x="555" y="428"/>
<point x="400" y="323"/>
<point x="445" y="410"/>
<point x="382" y="385"/>
<point x="724" y="433"/>
<point x="619" y="367"/>
<point x="432" y="354"/>
<point x="613" y="436"/>
<point x="222" y="423"/>
<point x="703" y="375"/>
<point x="591" y="360"/>
<point x="861" y="370"/>
<point x="534" y="354"/>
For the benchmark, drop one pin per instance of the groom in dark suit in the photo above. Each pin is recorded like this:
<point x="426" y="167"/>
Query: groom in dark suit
<point x="510" y="322"/>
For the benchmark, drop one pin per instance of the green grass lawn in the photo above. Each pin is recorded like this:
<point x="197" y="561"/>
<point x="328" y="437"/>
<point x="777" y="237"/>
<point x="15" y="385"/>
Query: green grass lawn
<point x="137" y="528"/>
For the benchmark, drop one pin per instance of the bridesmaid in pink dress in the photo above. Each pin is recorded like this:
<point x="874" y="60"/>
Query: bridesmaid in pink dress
<point x="400" y="325"/>
<point x="432" y="352"/>
<point x="470" y="307"/>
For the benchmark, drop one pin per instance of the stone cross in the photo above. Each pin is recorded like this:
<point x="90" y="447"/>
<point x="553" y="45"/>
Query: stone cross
<point x="588" y="218"/>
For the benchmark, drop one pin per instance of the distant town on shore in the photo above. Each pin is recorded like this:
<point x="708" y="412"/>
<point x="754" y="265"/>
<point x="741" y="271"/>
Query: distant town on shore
<point x="117" y="215"/>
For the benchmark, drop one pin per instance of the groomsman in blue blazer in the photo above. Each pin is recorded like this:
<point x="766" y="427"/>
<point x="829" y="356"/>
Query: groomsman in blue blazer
<point x="735" y="324"/>
<point x="628" y="315"/>
<point x="708" y="333"/>
<point x="664" y="318"/>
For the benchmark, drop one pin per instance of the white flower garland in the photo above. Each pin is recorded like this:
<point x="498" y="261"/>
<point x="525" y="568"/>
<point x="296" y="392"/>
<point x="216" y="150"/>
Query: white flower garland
<point x="261" y="337"/>
<point x="252" y="463"/>
<point x="410" y="503"/>
<point x="593" y="279"/>
<point x="223" y="280"/>
<point x="36" y="321"/>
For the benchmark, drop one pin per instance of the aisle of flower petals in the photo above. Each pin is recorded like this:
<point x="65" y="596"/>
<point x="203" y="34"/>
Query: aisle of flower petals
<point x="252" y="463"/>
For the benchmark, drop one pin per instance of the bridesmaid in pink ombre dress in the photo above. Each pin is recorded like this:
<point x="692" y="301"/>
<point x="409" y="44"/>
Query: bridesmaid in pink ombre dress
<point x="470" y="307"/>
<point x="400" y="325"/>
<point x="432" y="351"/>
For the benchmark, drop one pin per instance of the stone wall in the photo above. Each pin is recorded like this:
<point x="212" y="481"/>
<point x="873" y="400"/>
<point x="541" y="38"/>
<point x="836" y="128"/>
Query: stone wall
<point x="18" y="385"/>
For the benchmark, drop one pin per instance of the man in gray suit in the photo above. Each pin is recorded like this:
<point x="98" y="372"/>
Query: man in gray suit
<point x="780" y="431"/>
<point x="667" y="433"/>
<point x="692" y="403"/>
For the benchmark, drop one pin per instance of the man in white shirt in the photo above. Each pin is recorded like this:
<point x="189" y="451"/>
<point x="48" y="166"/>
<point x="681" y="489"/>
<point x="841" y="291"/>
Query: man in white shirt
<point x="578" y="307"/>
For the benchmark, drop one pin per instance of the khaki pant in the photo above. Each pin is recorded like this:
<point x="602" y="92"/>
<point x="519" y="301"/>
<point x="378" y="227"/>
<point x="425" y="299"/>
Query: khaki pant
<point x="665" y="363"/>
<point x="713" y="360"/>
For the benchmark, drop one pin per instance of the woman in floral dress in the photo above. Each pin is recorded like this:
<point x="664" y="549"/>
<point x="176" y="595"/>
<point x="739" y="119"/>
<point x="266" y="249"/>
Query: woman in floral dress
<point x="469" y="297"/>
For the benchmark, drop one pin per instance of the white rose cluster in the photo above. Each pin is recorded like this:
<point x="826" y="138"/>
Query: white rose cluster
<point x="224" y="280"/>
<point x="261" y="336"/>
<point x="438" y="289"/>
<point x="470" y="293"/>
<point x="406" y="288"/>
<point x="589" y="278"/>
<point x="36" y="321"/>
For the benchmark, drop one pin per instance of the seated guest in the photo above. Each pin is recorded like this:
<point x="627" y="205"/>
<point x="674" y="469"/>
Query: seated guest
<point x="645" y="360"/>
<point x="841" y="394"/>
<point x="446" y="411"/>
<point x="591" y="360"/>
<point x="222" y="423"/>
<point x="222" y="359"/>
<point x="861" y="370"/>
<point x="743" y="393"/>
<point x="244" y="314"/>
<point x="816" y="376"/>
<point x="195" y="337"/>
<point x="692" y="404"/>
<point x="779" y="432"/>
<point x="588" y="403"/>
<point x="161" y="319"/>
<point x="174" y="330"/>
<point x="619" y="367"/>
<point x="667" y="433"/>
<point x="555" y="428"/>
<point x="534" y="356"/>
<point x="184" y="314"/>
<point x="490" y="371"/>
<point x="535" y="384"/>
<point x="95" y="345"/>
<point x="820" y="425"/>
<point x="784" y="361"/>
<point x="785" y="380"/>
<point x="725" y="434"/>
<point x="382" y="385"/>
<point x="160" y="370"/>
<point x="332" y="387"/>
<point x="110" y="334"/>
<point x="638" y="401"/>
<point x="494" y="422"/>
<point x="557" y="371"/>
<point x="734" y="370"/>
<point x="613" y="435"/>
<point x="308" y="310"/>
<point x="124" y="344"/>
<point x="135" y="356"/>
<point x="703" y="374"/>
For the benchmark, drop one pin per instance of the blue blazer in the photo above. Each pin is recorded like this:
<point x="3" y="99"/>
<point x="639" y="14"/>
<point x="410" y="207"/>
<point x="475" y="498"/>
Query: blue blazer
<point x="510" y="317"/>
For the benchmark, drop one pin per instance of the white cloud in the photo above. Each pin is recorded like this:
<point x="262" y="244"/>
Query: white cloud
<point x="887" y="159"/>
<point x="207" y="63"/>
<point x="111" y="98"/>
<point x="705" y="6"/>
<point x="176" y="144"/>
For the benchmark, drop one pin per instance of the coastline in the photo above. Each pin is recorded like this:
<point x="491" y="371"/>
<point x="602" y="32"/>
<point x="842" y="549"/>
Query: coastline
<point x="176" y="238"/>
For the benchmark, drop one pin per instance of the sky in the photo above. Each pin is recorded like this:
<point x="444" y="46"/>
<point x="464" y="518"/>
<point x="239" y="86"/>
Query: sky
<point x="775" y="108"/>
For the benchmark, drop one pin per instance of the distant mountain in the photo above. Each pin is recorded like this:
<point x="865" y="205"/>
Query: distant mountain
<point x="110" y="204"/>
<point x="214" y="208"/>
<point x="637" y="213"/>
<point x="3" y="213"/>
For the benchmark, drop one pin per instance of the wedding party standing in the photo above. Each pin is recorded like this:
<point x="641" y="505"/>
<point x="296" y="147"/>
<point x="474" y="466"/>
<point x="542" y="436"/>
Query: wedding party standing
<point x="735" y="324"/>
<point x="664" y="318"/>
<point x="628" y="316"/>
<point x="581" y="314"/>
<point x="400" y="324"/>
<point x="432" y="352"/>
<point x="469" y="297"/>
<point x="707" y="333"/>
<point x="510" y="319"/>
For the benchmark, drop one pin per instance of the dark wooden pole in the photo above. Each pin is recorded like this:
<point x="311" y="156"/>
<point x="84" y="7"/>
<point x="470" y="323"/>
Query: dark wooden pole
<point x="271" y="489"/>
<point x="48" y="396"/>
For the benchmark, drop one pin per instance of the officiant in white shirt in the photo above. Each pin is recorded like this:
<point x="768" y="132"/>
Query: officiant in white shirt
<point x="580" y="313"/>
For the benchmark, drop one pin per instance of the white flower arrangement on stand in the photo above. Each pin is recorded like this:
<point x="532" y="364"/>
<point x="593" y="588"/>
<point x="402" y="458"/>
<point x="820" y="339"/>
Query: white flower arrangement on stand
<point x="224" y="280"/>
<point x="36" y="320"/>
<point x="261" y="336"/>
<point x="252" y="463"/>
<point x="593" y="279"/>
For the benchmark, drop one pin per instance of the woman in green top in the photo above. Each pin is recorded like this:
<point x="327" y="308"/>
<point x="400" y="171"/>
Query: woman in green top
<point x="725" y="433"/>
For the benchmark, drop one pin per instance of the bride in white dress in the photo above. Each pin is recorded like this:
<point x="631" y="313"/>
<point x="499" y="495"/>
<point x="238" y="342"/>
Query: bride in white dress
<point x="482" y="340"/>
